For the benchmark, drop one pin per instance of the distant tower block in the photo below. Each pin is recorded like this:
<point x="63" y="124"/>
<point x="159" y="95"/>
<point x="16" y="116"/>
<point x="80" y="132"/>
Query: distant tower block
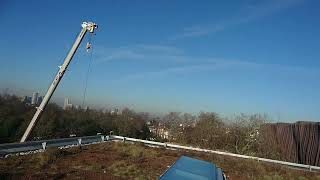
<point x="34" y="98"/>
<point x="39" y="100"/>
<point x="66" y="103"/>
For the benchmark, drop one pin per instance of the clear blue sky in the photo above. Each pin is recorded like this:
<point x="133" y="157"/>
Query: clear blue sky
<point x="250" y="56"/>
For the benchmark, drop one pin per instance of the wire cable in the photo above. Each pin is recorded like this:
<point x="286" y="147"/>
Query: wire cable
<point x="88" y="71"/>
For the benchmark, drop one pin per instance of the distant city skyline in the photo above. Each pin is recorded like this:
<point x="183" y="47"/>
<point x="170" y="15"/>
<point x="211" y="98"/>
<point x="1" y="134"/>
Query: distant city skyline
<point x="35" y="99"/>
<point x="241" y="57"/>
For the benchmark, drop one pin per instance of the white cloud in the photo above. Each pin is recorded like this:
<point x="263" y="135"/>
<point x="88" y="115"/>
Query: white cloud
<point x="251" y="12"/>
<point x="137" y="52"/>
<point x="105" y="54"/>
<point x="218" y="64"/>
<point x="160" y="49"/>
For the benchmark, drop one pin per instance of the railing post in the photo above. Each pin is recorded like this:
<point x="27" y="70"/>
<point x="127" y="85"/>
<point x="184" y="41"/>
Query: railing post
<point x="79" y="141"/>
<point x="44" y="144"/>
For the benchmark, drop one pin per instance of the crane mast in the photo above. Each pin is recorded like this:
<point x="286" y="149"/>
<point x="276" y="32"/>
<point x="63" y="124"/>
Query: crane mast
<point x="86" y="26"/>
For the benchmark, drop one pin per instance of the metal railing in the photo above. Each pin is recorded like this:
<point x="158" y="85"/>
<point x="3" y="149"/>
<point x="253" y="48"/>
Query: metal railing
<point x="166" y="145"/>
<point x="18" y="148"/>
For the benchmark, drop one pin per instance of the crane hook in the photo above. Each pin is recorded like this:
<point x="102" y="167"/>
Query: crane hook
<point x="88" y="46"/>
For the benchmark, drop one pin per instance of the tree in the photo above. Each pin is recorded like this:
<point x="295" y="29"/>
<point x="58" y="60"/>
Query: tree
<point x="244" y="133"/>
<point x="209" y="130"/>
<point x="57" y="123"/>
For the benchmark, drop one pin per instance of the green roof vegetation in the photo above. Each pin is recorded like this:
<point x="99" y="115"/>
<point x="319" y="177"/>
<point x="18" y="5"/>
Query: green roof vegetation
<point x="119" y="160"/>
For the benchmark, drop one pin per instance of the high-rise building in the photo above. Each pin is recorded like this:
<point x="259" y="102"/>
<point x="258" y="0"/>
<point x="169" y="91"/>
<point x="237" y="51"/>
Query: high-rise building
<point x="39" y="100"/>
<point x="29" y="99"/>
<point x="67" y="104"/>
<point x="34" y="98"/>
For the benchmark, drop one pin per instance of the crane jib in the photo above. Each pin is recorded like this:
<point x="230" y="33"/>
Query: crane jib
<point x="86" y="26"/>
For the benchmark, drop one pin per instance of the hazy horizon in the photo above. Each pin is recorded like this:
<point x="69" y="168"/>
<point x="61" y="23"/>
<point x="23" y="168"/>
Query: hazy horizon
<point x="272" y="118"/>
<point x="240" y="57"/>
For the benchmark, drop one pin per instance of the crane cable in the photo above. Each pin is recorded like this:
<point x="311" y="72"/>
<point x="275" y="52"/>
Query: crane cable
<point x="88" y="48"/>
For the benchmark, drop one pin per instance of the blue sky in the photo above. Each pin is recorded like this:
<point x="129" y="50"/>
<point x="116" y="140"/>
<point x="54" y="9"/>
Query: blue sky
<point x="250" y="56"/>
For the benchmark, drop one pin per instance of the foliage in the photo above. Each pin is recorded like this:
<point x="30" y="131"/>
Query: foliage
<point x="241" y="134"/>
<point x="57" y="123"/>
<point x="124" y="170"/>
<point x="13" y="115"/>
<point x="107" y="161"/>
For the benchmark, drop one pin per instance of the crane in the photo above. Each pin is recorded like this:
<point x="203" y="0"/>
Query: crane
<point x="86" y="27"/>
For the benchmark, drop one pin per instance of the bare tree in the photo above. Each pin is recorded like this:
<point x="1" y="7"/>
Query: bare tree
<point x="244" y="133"/>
